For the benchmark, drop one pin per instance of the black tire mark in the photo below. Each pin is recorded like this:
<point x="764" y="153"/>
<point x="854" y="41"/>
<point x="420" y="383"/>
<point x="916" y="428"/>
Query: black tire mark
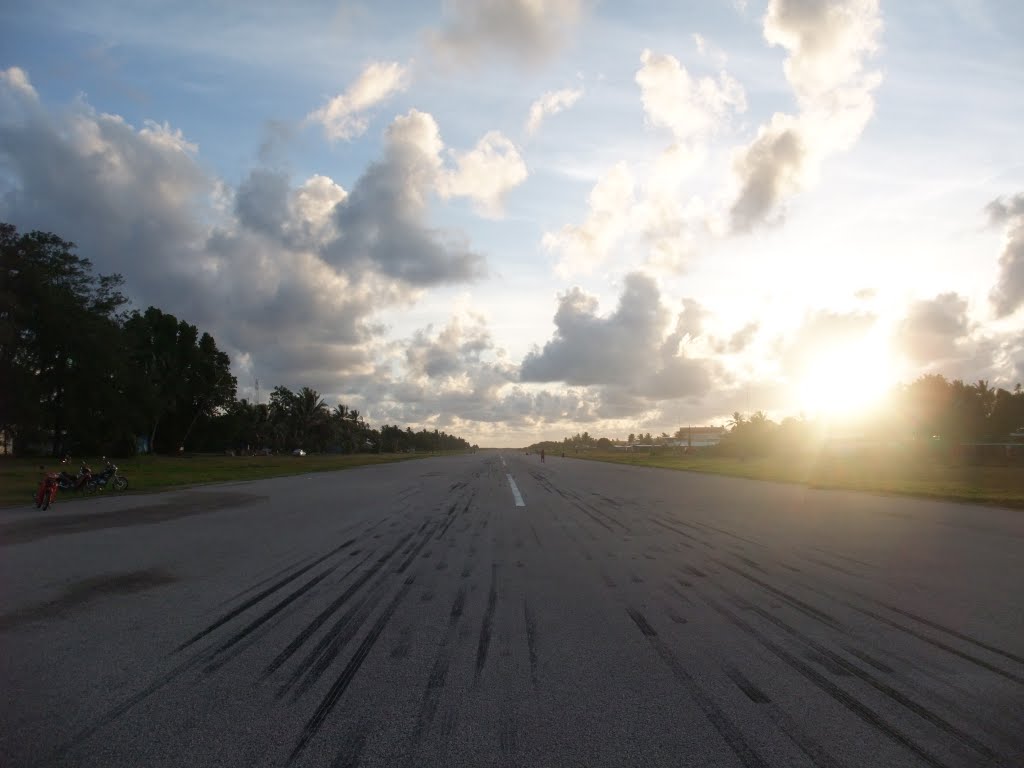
<point x="326" y="613"/>
<point x="535" y="536"/>
<point x="485" y="628"/>
<point x="833" y="566"/>
<point x="641" y="622"/>
<point x="869" y="660"/>
<point x="805" y="608"/>
<point x="752" y="692"/>
<point x="352" y="750"/>
<point x="531" y="640"/>
<point x="953" y="632"/>
<point x="826" y="685"/>
<point x="606" y="578"/>
<point x="938" y="644"/>
<point x="718" y="719"/>
<point x="730" y="533"/>
<point x="751" y="563"/>
<point x="115" y="712"/>
<point x="675" y="530"/>
<point x="340" y="685"/>
<point x="438" y="676"/>
<point x="694" y="571"/>
<point x="265" y="593"/>
<point x="592" y="516"/>
<point x="276" y="574"/>
<point x="508" y="740"/>
<point x="315" y="664"/>
<point x="214" y="663"/>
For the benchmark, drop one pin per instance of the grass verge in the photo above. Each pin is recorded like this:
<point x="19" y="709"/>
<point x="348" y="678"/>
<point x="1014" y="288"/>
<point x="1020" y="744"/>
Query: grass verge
<point x="19" y="477"/>
<point x="1003" y="486"/>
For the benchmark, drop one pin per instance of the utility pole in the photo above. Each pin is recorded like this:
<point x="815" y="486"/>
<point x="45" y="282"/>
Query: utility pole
<point x="257" y="391"/>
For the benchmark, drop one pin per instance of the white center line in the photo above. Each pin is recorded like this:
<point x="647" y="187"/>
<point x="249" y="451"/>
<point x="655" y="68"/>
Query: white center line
<point x="515" y="492"/>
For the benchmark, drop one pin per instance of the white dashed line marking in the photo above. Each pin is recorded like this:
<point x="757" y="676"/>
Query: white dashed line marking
<point x="515" y="492"/>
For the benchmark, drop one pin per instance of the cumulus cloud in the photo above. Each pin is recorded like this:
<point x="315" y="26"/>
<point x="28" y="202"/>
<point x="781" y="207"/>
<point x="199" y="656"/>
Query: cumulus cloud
<point x="382" y="225"/>
<point x="933" y="328"/>
<point x="1007" y="295"/>
<point x="626" y="353"/>
<point x="550" y="103"/>
<point x="486" y="173"/>
<point x="828" y="45"/>
<point x="288" y="275"/>
<point x="583" y="247"/>
<point x="692" y="108"/>
<point x="527" y="30"/>
<point x="344" y="117"/>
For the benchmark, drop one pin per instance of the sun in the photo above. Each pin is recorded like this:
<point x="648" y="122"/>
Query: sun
<point x="847" y="379"/>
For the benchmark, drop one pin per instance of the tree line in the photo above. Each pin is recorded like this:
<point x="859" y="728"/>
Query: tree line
<point x="931" y="411"/>
<point x="80" y="371"/>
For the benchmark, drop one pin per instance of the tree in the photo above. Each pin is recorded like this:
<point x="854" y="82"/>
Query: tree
<point x="179" y="378"/>
<point x="631" y="439"/>
<point x="59" y="344"/>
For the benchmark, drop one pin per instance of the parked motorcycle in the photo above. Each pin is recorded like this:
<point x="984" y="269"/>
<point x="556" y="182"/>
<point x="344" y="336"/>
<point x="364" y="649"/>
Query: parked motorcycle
<point x="108" y="475"/>
<point x="68" y="482"/>
<point x="47" y="493"/>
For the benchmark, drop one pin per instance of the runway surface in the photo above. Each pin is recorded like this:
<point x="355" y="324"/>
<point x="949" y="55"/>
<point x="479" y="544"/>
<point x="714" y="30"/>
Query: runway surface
<point x="493" y="610"/>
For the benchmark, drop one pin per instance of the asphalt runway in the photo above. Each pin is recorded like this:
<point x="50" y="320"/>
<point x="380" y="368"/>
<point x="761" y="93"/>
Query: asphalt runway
<point x="493" y="610"/>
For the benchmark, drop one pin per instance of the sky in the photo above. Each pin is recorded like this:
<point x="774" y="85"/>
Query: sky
<point x="516" y="220"/>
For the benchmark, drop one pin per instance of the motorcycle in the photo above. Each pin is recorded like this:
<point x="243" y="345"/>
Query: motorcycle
<point x="110" y="473"/>
<point x="68" y="482"/>
<point x="47" y="493"/>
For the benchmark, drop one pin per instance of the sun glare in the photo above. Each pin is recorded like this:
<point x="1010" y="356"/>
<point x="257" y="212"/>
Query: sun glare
<point x="846" y="381"/>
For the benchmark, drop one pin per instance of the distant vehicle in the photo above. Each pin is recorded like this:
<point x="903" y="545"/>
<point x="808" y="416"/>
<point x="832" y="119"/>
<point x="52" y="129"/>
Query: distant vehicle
<point x="298" y="452"/>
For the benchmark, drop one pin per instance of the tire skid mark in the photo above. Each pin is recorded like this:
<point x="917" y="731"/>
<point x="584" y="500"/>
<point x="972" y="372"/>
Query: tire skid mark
<point x="531" y="640"/>
<point x="352" y="750"/>
<point x="316" y="663"/>
<point x="485" y="627"/>
<point x="343" y="681"/>
<point x="213" y="663"/>
<point x="805" y="608"/>
<point x="715" y="715"/>
<point x="276" y="574"/>
<point x="676" y="530"/>
<point x="742" y="682"/>
<point x="862" y="711"/>
<point x="115" y="712"/>
<point x="260" y="596"/>
<point x="438" y="676"/>
<point x="730" y="533"/>
<point x="326" y="613"/>
<point x="536" y="537"/>
<point x="953" y="632"/>
<point x="938" y="644"/>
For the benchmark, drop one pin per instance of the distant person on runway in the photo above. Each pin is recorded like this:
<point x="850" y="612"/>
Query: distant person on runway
<point x="542" y="454"/>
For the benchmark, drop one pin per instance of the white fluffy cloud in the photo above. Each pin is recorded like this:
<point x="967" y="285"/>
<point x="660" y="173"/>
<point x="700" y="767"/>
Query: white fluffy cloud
<point x="692" y="108"/>
<point x="344" y="117"/>
<point x="626" y="353"/>
<point x="486" y="173"/>
<point x="550" y="103"/>
<point x="528" y="30"/>
<point x="828" y="45"/>
<point x="1007" y="295"/>
<point x="581" y="248"/>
